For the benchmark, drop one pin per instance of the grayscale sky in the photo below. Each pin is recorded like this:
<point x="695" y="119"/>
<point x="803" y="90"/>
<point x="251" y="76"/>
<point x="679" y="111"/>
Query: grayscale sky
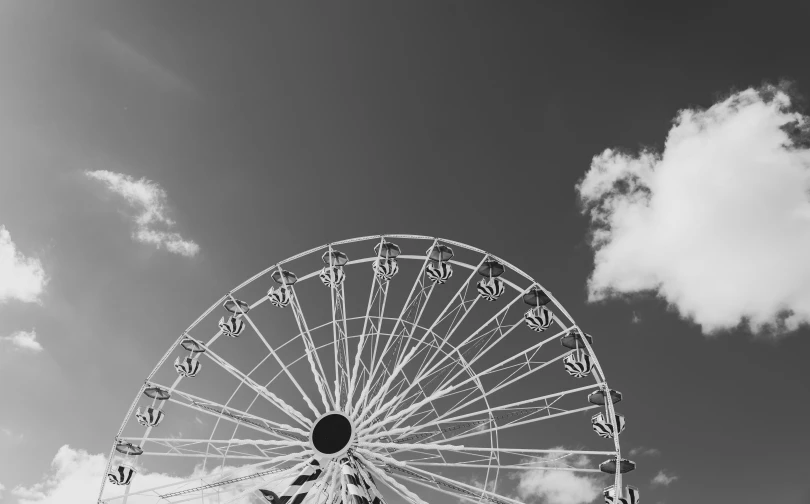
<point x="267" y="128"/>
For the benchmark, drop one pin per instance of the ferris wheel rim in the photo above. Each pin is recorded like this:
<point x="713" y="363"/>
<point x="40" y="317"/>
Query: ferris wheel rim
<point x="601" y="381"/>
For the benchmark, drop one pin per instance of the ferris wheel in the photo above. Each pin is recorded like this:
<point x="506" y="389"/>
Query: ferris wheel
<point x="381" y="369"/>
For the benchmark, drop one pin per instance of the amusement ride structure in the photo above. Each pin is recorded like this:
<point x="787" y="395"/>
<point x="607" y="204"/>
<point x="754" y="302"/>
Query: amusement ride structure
<point x="394" y="368"/>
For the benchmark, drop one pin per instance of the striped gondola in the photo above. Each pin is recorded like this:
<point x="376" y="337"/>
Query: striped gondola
<point x="491" y="288"/>
<point x="439" y="272"/>
<point x="187" y="367"/>
<point x="150" y="417"/>
<point x="232" y="326"/>
<point x="385" y="269"/>
<point x="539" y="319"/>
<point x="121" y="475"/>
<point x="606" y="429"/>
<point x="332" y="276"/>
<point x="578" y="364"/>
<point x="631" y="495"/>
<point x="279" y="296"/>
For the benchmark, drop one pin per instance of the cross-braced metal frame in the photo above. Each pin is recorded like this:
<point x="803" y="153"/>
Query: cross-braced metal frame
<point x="432" y="387"/>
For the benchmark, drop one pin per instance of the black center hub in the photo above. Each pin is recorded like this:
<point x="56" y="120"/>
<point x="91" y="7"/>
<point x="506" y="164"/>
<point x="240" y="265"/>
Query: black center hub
<point x="332" y="433"/>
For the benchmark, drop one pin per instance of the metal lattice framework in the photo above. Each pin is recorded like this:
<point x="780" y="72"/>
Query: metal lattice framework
<point x="442" y="382"/>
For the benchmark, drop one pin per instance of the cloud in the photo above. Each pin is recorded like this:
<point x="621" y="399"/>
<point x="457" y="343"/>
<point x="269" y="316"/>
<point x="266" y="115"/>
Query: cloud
<point x="663" y="479"/>
<point x="21" y="278"/>
<point x="636" y="319"/>
<point x="718" y="223"/>
<point x="2" y="488"/>
<point x="149" y="200"/>
<point x="75" y="476"/>
<point x="644" y="452"/>
<point x="558" y="487"/>
<point x="24" y="340"/>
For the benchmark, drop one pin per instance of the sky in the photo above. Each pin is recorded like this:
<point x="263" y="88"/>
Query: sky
<point x="644" y="162"/>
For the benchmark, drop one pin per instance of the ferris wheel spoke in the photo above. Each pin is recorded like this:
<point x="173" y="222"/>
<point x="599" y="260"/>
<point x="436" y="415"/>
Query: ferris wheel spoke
<point x="340" y="343"/>
<point x="493" y="320"/>
<point x="371" y="326"/>
<point x="458" y="407"/>
<point x="312" y="356"/>
<point x="496" y="367"/>
<point x="461" y="350"/>
<point x="232" y="449"/>
<point x="280" y="431"/>
<point x="397" y="400"/>
<point x="270" y="397"/>
<point x="456" y="311"/>
<point x="436" y="479"/>
<point x="473" y="427"/>
<point x="517" y="423"/>
<point x="278" y="359"/>
<point x="496" y="457"/>
<point x="496" y="412"/>
<point x="410" y="315"/>
<point x="427" y="413"/>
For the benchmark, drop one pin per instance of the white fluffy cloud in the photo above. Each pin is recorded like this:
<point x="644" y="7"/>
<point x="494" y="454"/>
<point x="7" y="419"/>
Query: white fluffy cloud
<point x="663" y="479"/>
<point x="149" y="200"/>
<point x="559" y="487"/>
<point x="24" y="340"/>
<point x="718" y="224"/>
<point x="75" y="476"/>
<point x="21" y="278"/>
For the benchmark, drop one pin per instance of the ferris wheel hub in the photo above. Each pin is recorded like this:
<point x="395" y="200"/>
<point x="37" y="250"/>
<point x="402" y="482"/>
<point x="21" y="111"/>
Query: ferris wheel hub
<point x="332" y="434"/>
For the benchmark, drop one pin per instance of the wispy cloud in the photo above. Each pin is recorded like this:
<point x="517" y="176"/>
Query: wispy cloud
<point x="136" y="63"/>
<point x="636" y="318"/>
<point x="11" y="435"/>
<point x="149" y="200"/>
<point x="24" y="340"/>
<point x="718" y="223"/>
<point x="644" y="451"/>
<point x="558" y="487"/>
<point x="21" y="278"/>
<point x="663" y="479"/>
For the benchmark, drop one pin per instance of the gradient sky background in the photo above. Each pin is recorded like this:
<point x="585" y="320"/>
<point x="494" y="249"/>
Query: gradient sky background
<point x="275" y="128"/>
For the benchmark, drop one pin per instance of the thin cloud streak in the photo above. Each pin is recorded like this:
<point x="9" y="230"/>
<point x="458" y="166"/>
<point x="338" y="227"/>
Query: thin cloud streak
<point x="21" y="278"/>
<point x="717" y="224"/>
<point x="132" y="61"/>
<point x="644" y="452"/>
<point x="150" y="201"/>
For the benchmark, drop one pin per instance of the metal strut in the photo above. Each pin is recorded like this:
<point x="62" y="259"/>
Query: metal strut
<point x="418" y="435"/>
<point x="220" y="483"/>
